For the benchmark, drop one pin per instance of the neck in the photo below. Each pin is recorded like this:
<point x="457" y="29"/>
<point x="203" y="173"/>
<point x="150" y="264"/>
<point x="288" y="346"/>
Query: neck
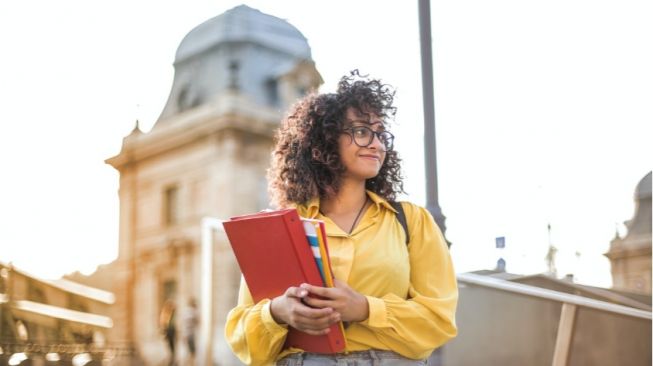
<point x="350" y="197"/>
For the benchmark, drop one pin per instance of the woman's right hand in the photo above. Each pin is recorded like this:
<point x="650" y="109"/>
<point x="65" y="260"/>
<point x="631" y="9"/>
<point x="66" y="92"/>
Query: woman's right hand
<point x="289" y="309"/>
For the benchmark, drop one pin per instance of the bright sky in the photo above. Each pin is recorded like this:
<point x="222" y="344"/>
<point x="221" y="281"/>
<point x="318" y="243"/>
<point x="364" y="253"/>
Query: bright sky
<point x="543" y="116"/>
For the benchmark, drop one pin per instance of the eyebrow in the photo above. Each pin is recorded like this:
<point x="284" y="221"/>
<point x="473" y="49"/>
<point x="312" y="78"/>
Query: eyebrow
<point x="367" y="123"/>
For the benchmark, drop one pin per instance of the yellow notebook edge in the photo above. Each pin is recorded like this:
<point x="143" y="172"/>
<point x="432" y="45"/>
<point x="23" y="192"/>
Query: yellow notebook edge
<point x="324" y="257"/>
<point x="326" y="264"/>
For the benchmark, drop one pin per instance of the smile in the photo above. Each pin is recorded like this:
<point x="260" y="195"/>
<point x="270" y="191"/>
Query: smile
<point x="374" y="157"/>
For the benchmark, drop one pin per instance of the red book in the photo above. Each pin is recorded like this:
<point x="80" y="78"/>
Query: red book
<point x="273" y="254"/>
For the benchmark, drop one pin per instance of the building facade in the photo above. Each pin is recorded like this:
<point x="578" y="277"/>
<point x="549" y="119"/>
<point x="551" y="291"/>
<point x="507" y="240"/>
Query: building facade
<point x="206" y="156"/>
<point x="630" y="256"/>
<point x="47" y="321"/>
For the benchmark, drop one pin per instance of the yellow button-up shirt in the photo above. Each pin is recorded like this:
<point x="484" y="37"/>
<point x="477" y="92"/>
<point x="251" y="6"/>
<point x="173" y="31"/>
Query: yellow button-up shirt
<point x="411" y="290"/>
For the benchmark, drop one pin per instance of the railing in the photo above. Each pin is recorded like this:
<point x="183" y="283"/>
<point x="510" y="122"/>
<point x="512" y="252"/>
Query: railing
<point x="41" y="353"/>
<point x="570" y="304"/>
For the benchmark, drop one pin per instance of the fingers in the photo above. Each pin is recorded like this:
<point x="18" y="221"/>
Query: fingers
<point x="303" y="317"/>
<point x="319" y="303"/>
<point x="320" y="291"/>
<point x="306" y="311"/>
<point x="300" y="315"/>
<point x="318" y="324"/>
<point x="296" y="292"/>
<point x="281" y="306"/>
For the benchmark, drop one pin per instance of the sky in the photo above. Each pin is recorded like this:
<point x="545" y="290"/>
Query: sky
<point x="543" y="116"/>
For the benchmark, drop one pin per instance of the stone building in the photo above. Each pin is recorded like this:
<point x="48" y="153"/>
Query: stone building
<point x="630" y="256"/>
<point x="43" y="321"/>
<point x="206" y="156"/>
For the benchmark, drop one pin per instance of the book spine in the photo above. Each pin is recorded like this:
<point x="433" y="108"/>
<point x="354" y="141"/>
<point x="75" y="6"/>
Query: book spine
<point x="302" y="249"/>
<point x="335" y="338"/>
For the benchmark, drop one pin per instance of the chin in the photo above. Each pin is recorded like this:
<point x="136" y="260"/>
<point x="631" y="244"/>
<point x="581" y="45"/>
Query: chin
<point x="363" y="175"/>
<point x="370" y="175"/>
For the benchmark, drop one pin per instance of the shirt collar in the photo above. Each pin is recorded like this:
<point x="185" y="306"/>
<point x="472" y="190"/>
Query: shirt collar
<point x="380" y="201"/>
<point x="312" y="207"/>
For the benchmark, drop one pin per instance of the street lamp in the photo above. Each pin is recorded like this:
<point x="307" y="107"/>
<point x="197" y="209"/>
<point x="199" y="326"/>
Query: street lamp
<point x="430" y="157"/>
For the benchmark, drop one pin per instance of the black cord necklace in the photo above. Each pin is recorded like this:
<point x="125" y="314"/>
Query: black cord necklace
<point x="357" y="216"/>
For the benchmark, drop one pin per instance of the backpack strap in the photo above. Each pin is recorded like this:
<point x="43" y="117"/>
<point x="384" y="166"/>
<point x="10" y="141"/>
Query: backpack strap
<point x="401" y="216"/>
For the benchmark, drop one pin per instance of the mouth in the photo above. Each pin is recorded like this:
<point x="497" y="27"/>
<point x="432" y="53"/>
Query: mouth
<point x="372" y="157"/>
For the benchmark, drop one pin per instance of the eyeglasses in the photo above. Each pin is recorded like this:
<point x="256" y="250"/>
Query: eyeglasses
<point x="363" y="136"/>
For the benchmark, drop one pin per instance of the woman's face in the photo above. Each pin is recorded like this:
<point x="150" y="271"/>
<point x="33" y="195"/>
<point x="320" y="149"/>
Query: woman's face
<point x="361" y="162"/>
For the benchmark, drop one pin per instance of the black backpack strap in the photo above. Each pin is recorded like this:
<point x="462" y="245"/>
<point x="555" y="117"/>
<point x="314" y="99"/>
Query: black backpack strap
<point x="401" y="216"/>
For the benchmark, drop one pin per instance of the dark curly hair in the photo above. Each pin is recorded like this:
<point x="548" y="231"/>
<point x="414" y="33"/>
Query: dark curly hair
<point x="306" y="162"/>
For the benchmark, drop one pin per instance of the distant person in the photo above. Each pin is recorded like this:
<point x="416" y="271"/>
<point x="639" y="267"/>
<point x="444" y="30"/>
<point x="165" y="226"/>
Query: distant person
<point x="395" y="288"/>
<point x="191" y="321"/>
<point x="168" y="328"/>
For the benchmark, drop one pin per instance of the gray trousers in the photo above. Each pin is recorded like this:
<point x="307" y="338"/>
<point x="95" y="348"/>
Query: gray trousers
<point x="360" y="358"/>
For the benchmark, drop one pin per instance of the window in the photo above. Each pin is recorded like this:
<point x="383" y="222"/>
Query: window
<point x="75" y="302"/>
<point x="35" y="292"/>
<point x="171" y="206"/>
<point x="168" y="291"/>
<point x="183" y="99"/>
<point x="272" y="91"/>
<point x="6" y="330"/>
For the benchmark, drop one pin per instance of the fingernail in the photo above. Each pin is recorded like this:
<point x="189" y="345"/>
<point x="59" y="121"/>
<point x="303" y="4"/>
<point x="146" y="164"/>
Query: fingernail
<point x="303" y="293"/>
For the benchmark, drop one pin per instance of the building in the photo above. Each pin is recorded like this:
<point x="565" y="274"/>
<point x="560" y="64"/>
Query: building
<point x="43" y="320"/>
<point x="630" y="256"/>
<point x="206" y="156"/>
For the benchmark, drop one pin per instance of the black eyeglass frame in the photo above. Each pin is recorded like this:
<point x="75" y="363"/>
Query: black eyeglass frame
<point x="390" y="137"/>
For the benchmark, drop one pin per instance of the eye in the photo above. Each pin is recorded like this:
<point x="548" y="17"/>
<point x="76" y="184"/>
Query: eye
<point x="361" y="132"/>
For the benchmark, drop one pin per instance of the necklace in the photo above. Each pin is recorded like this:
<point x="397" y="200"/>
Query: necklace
<point x="357" y="216"/>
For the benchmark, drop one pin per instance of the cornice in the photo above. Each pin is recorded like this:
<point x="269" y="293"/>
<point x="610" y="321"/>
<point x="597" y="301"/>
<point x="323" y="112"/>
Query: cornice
<point x="618" y="253"/>
<point x="228" y="110"/>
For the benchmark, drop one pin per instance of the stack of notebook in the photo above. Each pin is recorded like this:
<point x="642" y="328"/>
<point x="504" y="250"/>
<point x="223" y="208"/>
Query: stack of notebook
<point x="277" y="250"/>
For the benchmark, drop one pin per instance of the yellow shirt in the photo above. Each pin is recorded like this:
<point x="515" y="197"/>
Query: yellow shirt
<point x="411" y="290"/>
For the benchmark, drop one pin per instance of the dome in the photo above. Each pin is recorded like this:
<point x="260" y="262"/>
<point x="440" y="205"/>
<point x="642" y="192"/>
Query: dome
<point x="643" y="189"/>
<point x="244" y="24"/>
<point x="241" y="51"/>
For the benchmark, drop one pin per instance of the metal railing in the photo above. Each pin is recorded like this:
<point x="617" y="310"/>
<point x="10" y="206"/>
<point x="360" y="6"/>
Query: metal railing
<point x="570" y="304"/>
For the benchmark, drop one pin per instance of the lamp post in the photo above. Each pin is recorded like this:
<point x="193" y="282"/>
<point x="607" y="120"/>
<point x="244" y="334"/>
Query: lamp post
<point x="430" y="156"/>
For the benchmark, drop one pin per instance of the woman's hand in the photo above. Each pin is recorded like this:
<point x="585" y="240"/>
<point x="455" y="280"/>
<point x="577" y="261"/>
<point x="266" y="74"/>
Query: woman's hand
<point x="289" y="309"/>
<point x="351" y="305"/>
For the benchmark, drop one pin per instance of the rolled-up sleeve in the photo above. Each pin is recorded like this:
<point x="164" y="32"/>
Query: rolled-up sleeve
<point x="251" y="332"/>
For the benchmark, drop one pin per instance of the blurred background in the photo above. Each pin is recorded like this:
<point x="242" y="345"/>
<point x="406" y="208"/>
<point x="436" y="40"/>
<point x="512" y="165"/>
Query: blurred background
<point x="127" y="123"/>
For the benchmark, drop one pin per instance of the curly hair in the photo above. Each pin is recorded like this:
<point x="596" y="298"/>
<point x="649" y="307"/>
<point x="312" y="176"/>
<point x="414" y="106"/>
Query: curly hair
<point x="306" y="162"/>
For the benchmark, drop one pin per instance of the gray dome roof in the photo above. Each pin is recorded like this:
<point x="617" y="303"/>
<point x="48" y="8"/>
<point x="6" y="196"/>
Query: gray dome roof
<point x="643" y="189"/>
<point x="244" y="24"/>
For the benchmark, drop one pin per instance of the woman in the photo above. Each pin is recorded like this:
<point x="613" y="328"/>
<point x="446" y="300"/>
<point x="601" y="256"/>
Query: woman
<point x="334" y="161"/>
